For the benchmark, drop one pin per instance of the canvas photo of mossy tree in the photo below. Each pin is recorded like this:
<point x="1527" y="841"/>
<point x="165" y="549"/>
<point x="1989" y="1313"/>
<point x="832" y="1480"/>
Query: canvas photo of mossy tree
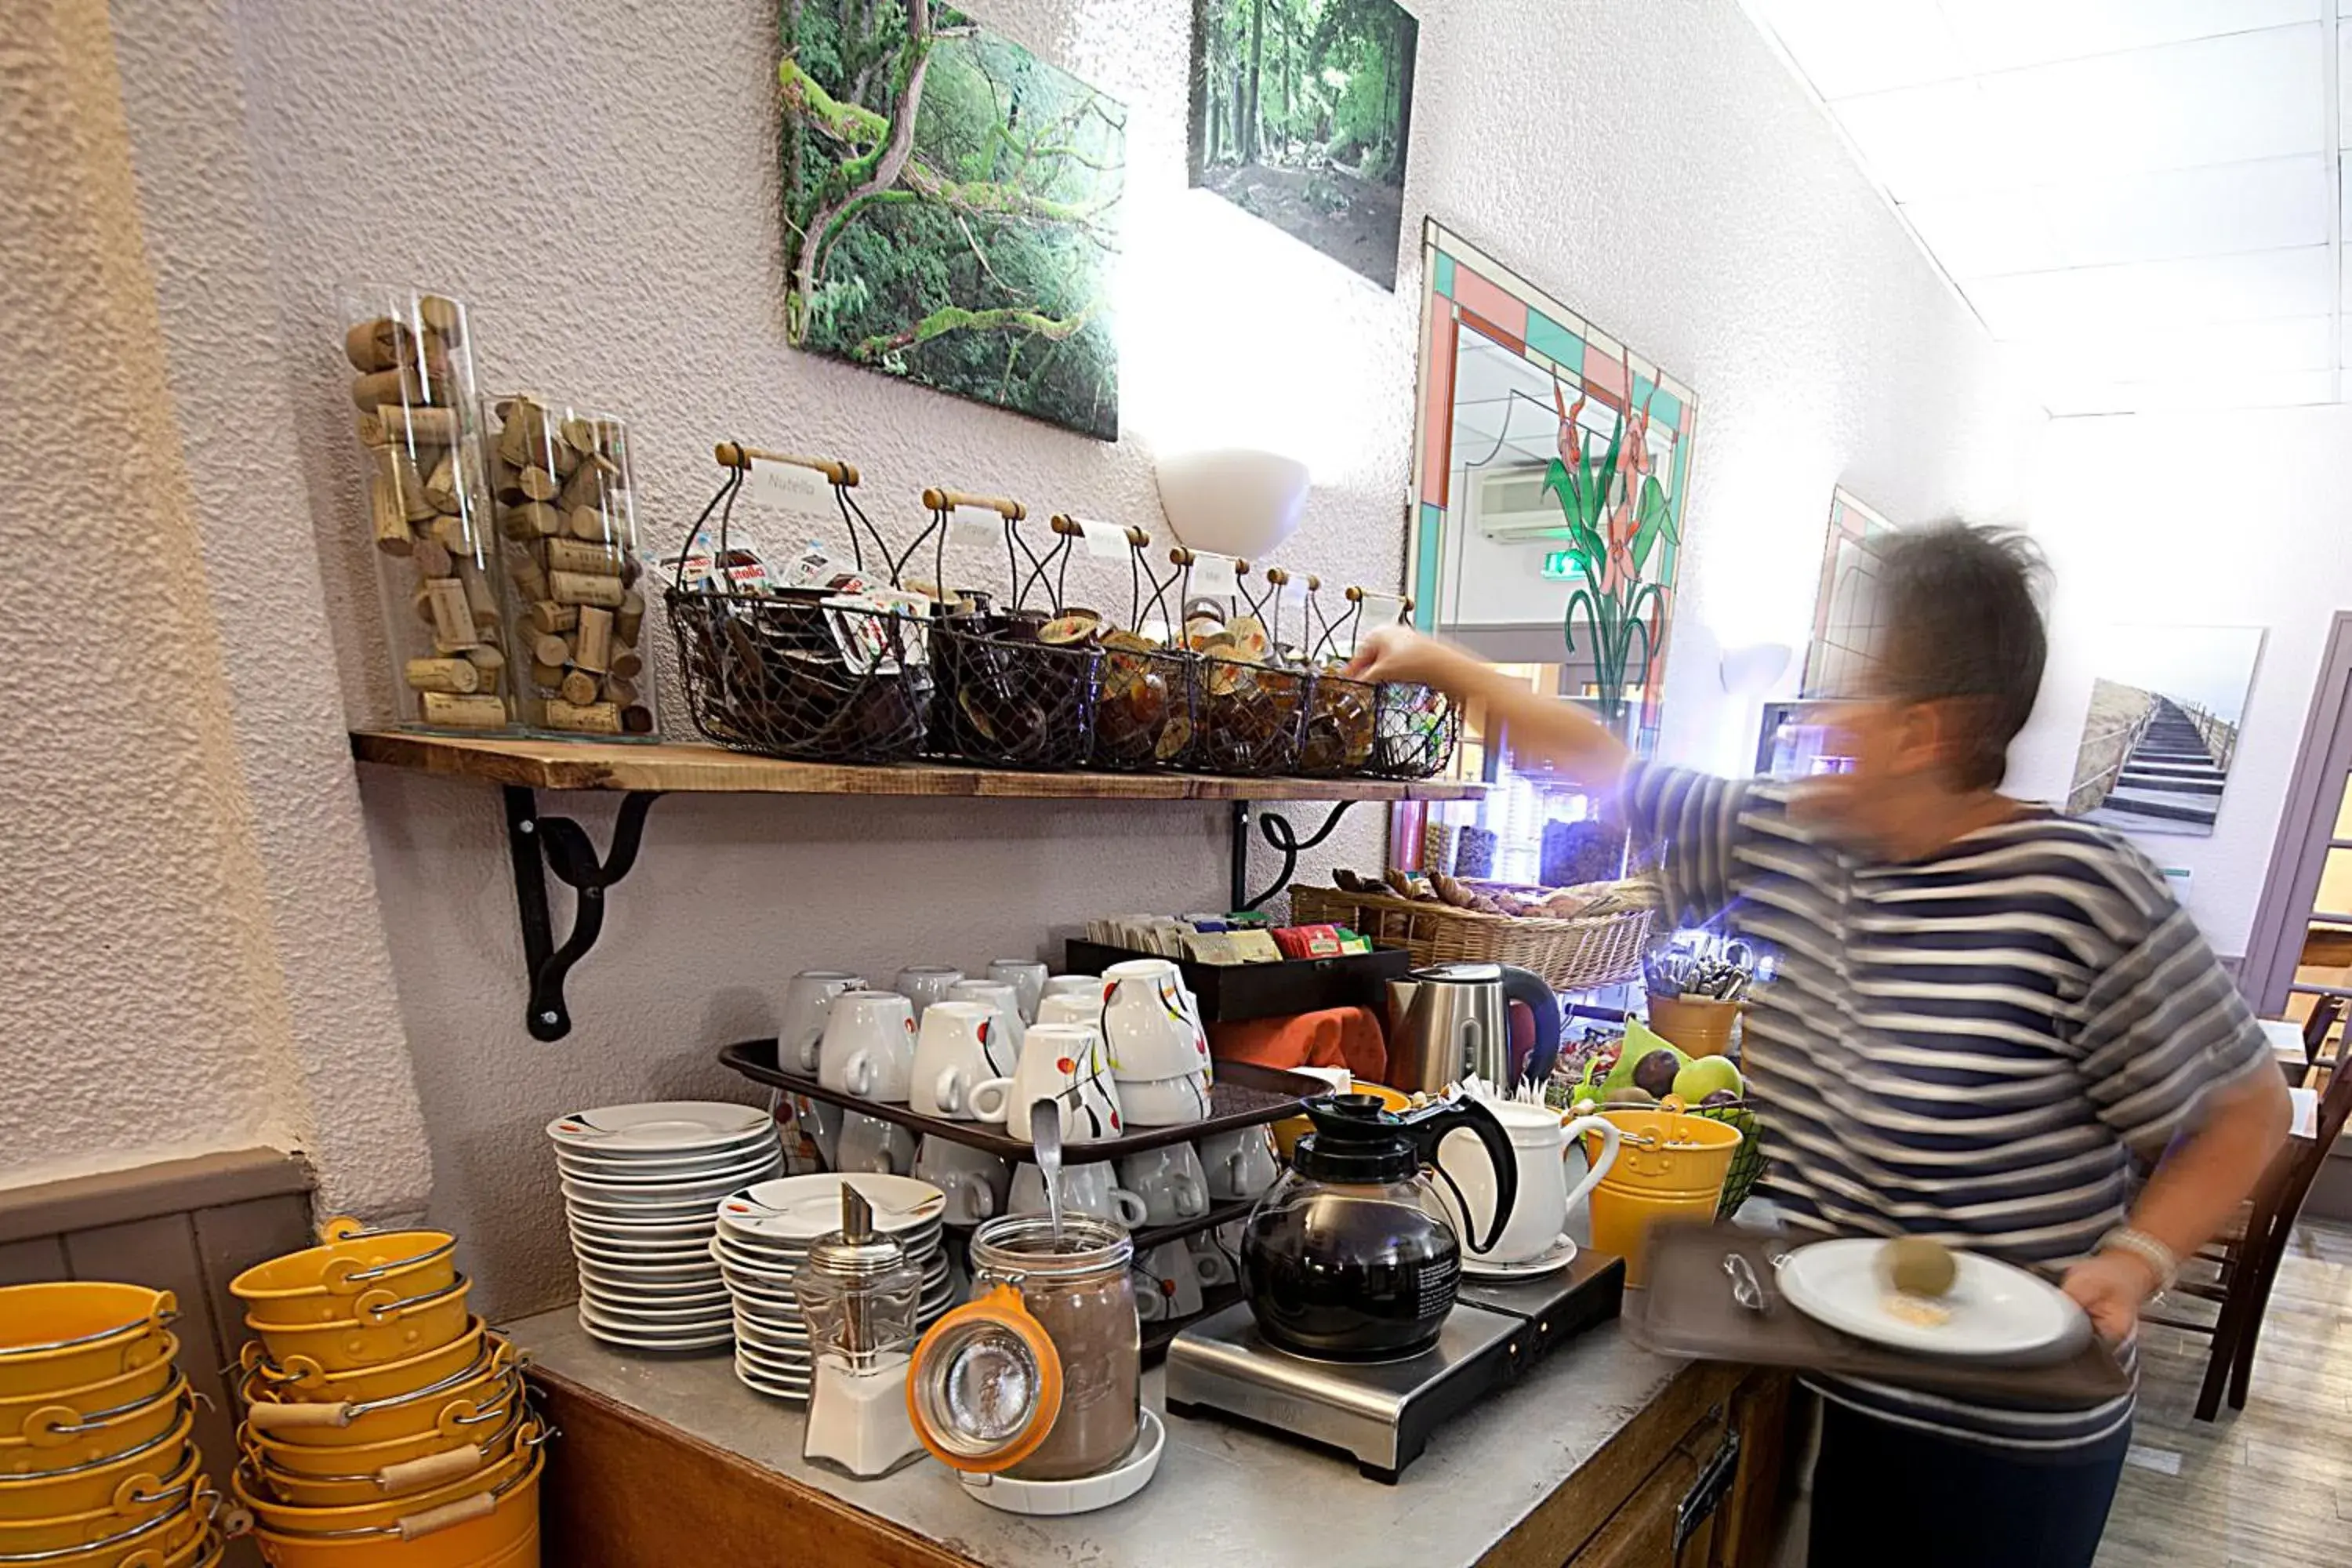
<point x="1300" y="114"/>
<point x="950" y="206"/>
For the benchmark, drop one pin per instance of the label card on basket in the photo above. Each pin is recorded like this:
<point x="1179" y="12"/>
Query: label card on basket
<point x="802" y="492"/>
<point x="1214" y="574"/>
<point x="974" y="525"/>
<point x="877" y="628"/>
<point x="1105" y="540"/>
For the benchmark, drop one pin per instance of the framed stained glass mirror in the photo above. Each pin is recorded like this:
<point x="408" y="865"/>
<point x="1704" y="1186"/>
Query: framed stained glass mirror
<point x="1550" y="465"/>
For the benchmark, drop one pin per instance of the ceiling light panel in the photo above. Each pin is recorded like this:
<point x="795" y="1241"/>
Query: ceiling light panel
<point x="1985" y="235"/>
<point x="2216" y="101"/>
<point x="2157" y="296"/>
<point x="2002" y="34"/>
<point x="1935" y="141"/>
<point x="2275" y="203"/>
<point x="2154" y="351"/>
<point x="1851" y="47"/>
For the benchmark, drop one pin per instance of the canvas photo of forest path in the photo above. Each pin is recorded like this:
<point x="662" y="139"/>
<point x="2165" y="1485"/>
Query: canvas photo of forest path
<point x="951" y="208"/>
<point x="1301" y="113"/>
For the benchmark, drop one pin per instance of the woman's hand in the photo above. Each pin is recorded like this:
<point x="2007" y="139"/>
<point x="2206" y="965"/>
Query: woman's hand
<point x="2111" y="1287"/>
<point x="1401" y="653"/>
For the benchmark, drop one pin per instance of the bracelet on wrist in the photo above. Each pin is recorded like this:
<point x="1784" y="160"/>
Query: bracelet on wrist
<point x="2161" y="1260"/>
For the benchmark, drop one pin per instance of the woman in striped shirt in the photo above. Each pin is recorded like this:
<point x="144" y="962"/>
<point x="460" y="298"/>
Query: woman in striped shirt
<point x="1981" y="1010"/>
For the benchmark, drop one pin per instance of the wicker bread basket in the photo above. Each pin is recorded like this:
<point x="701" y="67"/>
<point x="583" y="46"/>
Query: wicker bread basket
<point x="1570" y="954"/>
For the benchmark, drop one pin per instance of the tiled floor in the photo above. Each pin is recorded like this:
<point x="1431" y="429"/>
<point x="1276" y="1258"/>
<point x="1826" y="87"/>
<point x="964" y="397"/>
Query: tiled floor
<point x="2267" y="1487"/>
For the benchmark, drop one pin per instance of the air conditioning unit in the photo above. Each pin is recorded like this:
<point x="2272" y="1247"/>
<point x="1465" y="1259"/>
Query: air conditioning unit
<point x="1509" y="506"/>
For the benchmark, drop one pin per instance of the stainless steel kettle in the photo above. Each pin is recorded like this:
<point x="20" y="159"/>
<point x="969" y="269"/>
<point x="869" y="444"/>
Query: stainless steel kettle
<point x="1458" y="1023"/>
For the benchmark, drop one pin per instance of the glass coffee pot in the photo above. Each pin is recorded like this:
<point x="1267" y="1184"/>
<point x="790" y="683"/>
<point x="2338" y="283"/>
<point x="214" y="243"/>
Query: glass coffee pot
<point x="1350" y="1256"/>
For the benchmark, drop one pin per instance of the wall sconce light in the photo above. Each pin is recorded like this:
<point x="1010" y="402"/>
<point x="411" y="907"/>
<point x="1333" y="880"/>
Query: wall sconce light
<point x="1233" y="500"/>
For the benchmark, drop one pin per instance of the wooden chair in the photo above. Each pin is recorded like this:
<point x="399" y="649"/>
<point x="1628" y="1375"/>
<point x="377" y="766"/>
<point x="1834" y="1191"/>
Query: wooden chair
<point x="2323" y="1013"/>
<point x="2248" y="1254"/>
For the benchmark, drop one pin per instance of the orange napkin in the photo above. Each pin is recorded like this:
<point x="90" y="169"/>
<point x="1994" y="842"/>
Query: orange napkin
<point x="1346" y="1037"/>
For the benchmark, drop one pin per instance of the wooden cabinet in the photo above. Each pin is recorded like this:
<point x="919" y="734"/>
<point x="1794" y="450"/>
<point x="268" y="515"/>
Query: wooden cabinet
<point x="1712" y="1501"/>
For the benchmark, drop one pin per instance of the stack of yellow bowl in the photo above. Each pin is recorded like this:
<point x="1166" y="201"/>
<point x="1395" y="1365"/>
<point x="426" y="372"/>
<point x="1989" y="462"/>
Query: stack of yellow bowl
<point x="385" y="1427"/>
<point x="96" y="1468"/>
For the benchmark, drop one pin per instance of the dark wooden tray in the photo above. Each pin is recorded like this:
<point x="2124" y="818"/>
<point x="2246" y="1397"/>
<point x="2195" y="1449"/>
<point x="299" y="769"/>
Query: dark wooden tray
<point x="1235" y="993"/>
<point x="1687" y="1310"/>
<point x="1242" y="1096"/>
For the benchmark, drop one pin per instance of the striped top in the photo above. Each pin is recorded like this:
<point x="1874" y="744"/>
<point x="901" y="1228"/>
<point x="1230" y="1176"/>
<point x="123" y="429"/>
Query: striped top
<point x="1964" y="1046"/>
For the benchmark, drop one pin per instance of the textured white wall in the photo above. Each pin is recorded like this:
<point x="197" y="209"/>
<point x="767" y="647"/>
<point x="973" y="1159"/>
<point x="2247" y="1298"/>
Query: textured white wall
<point x="596" y="180"/>
<point x="2197" y="520"/>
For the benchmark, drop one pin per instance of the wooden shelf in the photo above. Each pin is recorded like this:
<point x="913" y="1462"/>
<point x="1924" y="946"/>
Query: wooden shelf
<point x="670" y="767"/>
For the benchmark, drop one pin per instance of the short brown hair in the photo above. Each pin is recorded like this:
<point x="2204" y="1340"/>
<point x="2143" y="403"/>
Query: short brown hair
<point x="1957" y="604"/>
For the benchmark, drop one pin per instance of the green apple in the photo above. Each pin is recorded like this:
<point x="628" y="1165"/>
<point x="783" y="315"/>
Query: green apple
<point x="1703" y="1075"/>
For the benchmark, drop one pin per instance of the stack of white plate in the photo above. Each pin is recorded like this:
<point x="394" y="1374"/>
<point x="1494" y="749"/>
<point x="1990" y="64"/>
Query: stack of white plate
<point x="765" y="1230"/>
<point x="639" y="1183"/>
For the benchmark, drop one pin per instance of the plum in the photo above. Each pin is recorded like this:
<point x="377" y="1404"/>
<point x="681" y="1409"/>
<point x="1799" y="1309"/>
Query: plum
<point x="1654" y="1074"/>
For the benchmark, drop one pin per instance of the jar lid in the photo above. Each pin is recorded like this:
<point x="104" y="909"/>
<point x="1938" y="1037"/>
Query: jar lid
<point x="857" y="1251"/>
<point x="985" y="1387"/>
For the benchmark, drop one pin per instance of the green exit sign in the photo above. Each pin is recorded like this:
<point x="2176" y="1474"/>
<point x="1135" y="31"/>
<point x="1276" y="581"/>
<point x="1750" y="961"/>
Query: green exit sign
<point x="1563" y="564"/>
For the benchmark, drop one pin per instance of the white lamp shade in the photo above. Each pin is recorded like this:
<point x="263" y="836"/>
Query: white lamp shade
<point x="1232" y="501"/>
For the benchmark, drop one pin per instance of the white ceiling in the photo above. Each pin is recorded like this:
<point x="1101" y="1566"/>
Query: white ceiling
<point x="2143" y="198"/>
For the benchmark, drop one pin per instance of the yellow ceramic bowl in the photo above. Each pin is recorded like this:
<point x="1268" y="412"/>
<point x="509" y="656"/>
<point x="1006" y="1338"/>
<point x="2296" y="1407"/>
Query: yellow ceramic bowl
<point x="1291" y="1129"/>
<point x="139" y="1505"/>
<point x="55" y="1438"/>
<point x="107" y="1395"/>
<point x="464" y="1414"/>
<point x="504" y="1535"/>
<point x="317" y="1285"/>
<point x="93" y="1485"/>
<point x="306" y="1383"/>
<point x="384" y="1327"/>
<point x="72" y="1335"/>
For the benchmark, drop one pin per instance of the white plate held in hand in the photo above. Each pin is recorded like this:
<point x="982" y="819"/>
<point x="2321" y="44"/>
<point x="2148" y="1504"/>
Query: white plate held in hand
<point x="1998" y="1312"/>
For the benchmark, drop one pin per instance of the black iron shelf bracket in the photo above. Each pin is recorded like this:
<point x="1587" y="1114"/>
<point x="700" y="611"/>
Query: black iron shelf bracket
<point x="1276" y="830"/>
<point x="539" y="844"/>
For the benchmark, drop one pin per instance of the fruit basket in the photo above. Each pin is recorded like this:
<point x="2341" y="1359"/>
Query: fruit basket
<point x="1017" y="687"/>
<point x="831" y="673"/>
<point x="1148" y="709"/>
<point x="1600" y="947"/>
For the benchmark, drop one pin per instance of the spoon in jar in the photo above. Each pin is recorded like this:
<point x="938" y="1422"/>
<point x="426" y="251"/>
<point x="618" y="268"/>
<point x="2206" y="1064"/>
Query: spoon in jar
<point x="1046" y="1133"/>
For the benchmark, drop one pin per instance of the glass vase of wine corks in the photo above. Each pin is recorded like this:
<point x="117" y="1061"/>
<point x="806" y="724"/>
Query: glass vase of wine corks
<point x="429" y="508"/>
<point x="561" y="480"/>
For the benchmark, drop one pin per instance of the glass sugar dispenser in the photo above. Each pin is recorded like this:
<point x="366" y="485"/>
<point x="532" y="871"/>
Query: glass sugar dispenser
<point x="860" y="1295"/>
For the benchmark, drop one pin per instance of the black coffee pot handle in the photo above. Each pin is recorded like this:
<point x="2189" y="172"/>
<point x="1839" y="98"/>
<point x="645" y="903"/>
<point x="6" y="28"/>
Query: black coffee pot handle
<point x="1428" y="1128"/>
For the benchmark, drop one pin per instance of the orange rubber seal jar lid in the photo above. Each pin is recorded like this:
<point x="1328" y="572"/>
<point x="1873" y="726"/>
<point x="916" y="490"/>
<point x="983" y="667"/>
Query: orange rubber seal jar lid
<point x="984" y="1388"/>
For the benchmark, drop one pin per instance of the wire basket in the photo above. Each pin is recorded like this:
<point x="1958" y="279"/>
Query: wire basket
<point x="1255" y="690"/>
<point x="1149" y="710"/>
<point x="1747" y="1160"/>
<point x="1341" y="735"/>
<point x="799" y="673"/>
<point x="1416" y="731"/>
<point x="1577" y="954"/>
<point x="1012" y="688"/>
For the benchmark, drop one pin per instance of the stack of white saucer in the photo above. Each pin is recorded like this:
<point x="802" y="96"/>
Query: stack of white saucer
<point x="765" y="1231"/>
<point x="639" y="1183"/>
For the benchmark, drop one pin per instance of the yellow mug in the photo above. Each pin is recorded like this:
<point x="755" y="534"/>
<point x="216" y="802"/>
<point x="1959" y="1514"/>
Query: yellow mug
<point x="1669" y="1170"/>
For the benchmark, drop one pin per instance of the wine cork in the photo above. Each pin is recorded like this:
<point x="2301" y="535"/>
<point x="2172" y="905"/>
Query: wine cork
<point x="589" y="483"/>
<point x="547" y="675"/>
<point x="387" y="521"/>
<point x="414" y="426"/>
<point x="538" y="484"/>
<point x="433" y="558"/>
<point x="547" y="649"/>
<point x="637" y="719"/>
<point x="580" y="588"/>
<point x="476" y="712"/>
<point x="550" y="617"/>
<point x="616" y="689"/>
<point x="575" y="555"/>
<point x="530" y="581"/>
<point x="378" y="387"/>
<point x="580" y="434"/>
<point x="441" y="484"/>
<point x="514" y="440"/>
<point x="489" y="666"/>
<point x="369" y="423"/>
<point x="443" y="315"/>
<point x="452" y="616"/>
<point x="397" y="471"/>
<point x="454" y="675"/>
<point x="594" y="718"/>
<point x="593" y="650"/>
<point x="580" y="688"/>
<point x="628" y="663"/>
<point x="452" y="535"/>
<point x="378" y="343"/>
<point x="587" y="524"/>
<point x="529" y="521"/>
<point x="479" y="596"/>
<point x="629" y="616"/>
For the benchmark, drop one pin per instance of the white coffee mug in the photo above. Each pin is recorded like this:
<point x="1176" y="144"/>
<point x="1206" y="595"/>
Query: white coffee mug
<point x="976" y="1183"/>
<point x="821" y="1122"/>
<point x="1027" y="978"/>
<point x="1539" y="1146"/>
<point x="1170" y="1181"/>
<point x="1151" y="1025"/>
<point x="1085" y="1189"/>
<point x="1070" y="1008"/>
<point x="1210" y="1259"/>
<point x="1240" y="1164"/>
<point x="868" y="1049"/>
<point x="1064" y="1062"/>
<point x="1169" y="1281"/>
<point x="1005" y="1044"/>
<point x="808" y="999"/>
<point x="870" y="1143"/>
<point x="924" y="984"/>
<point x="1165" y="1101"/>
<point x="951" y="1058"/>
<point x="1072" y="985"/>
